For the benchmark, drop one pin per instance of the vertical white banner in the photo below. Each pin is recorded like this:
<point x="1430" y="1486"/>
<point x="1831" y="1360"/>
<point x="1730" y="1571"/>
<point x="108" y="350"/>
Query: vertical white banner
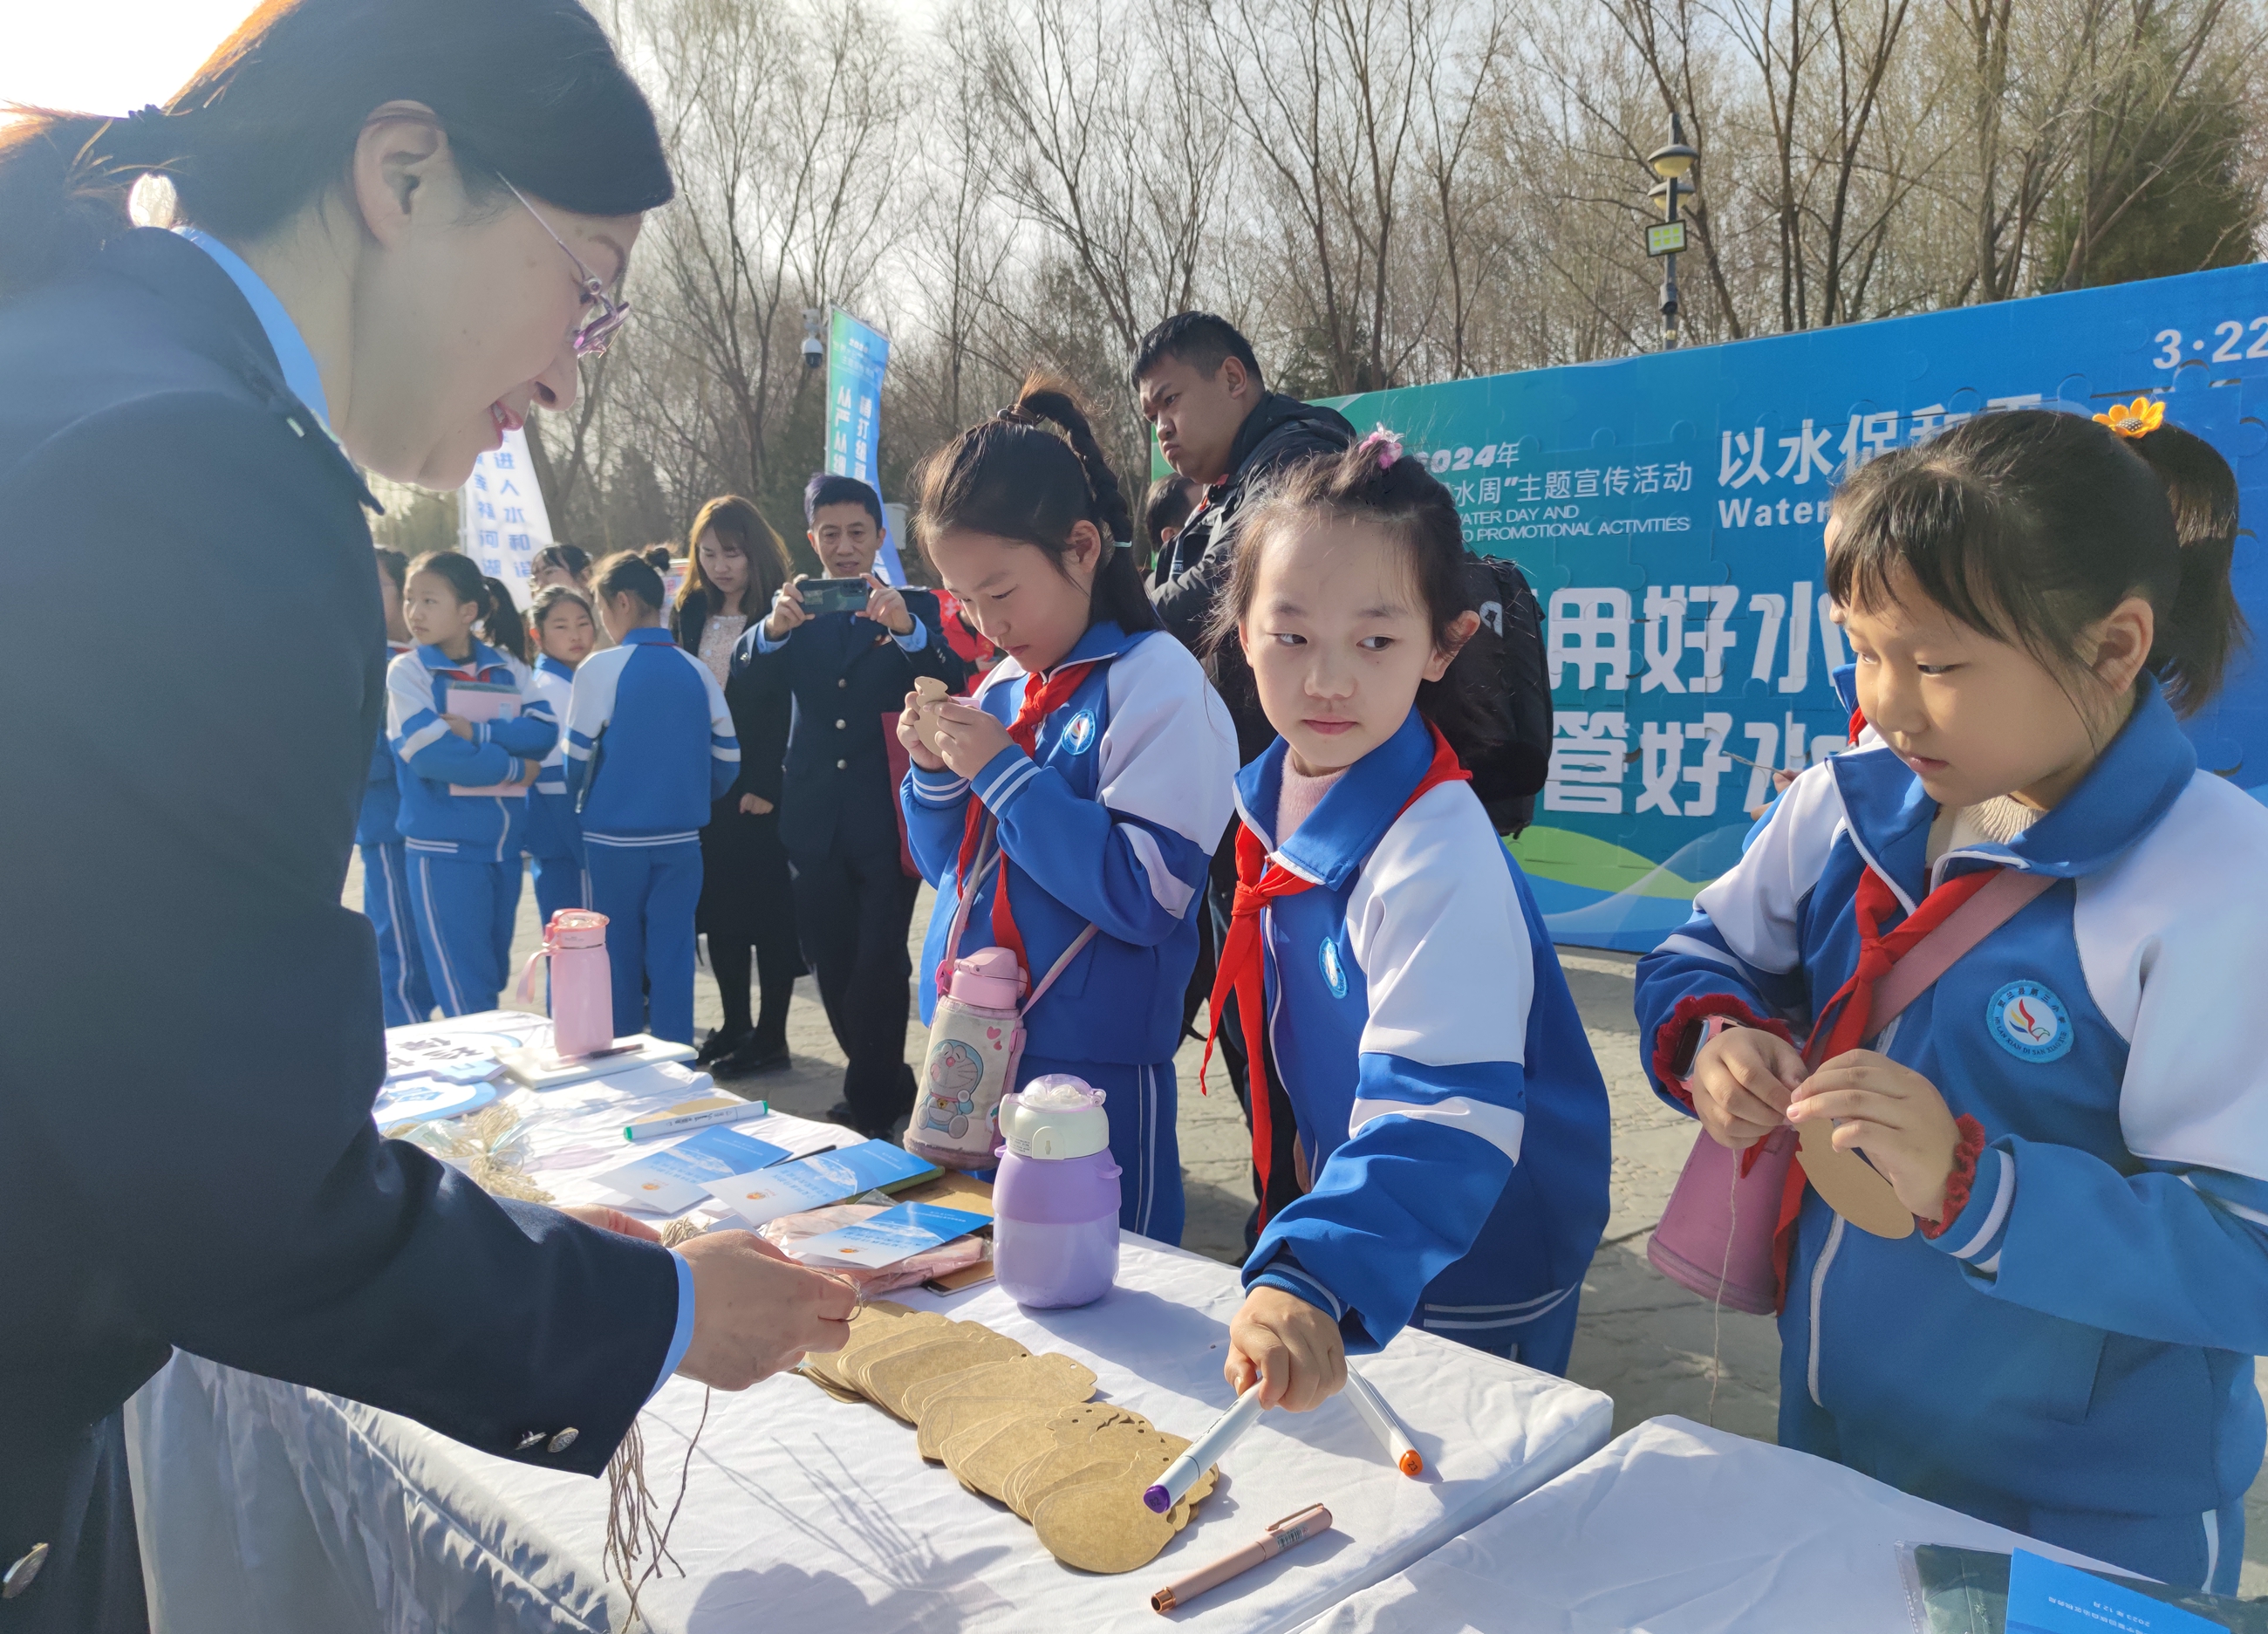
<point x="501" y="521"/>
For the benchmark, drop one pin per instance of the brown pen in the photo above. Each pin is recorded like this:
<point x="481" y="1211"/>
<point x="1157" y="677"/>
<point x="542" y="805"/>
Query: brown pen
<point x="1311" y="1521"/>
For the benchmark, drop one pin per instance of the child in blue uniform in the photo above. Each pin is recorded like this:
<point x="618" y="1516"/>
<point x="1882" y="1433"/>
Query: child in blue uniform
<point x="1452" y="1128"/>
<point x="564" y="635"/>
<point x="1094" y="760"/>
<point x="650" y="744"/>
<point x="465" y="782"/>
<point x="403" y="993"/>
<point x="2076" y="1113"/>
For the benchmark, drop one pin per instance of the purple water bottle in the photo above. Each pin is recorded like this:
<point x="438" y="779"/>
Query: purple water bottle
<point x="1055" y="1201"/>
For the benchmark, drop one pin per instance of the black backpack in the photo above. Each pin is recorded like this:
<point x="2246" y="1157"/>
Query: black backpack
<point x="1508" y="651"/>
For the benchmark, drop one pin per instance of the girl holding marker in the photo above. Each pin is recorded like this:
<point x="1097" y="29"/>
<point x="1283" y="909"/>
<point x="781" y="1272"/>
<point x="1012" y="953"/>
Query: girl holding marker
<point x="2076" y="1112"/>
<point x="1451" y="1125"/>
<point x="468" y="767"/>
<point x="650" y="744"/>
<point x="1093" y="761"/>
<point x="565" y="634"/>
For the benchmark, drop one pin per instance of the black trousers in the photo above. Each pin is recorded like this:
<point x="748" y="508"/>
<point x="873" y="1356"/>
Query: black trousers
<point x="91" y="1580"/>
<point x="748" y="906"/>
<point x="852" y="911"/>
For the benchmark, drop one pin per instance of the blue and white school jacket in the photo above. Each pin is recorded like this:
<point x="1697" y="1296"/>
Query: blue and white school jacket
<point x="381" y="793"/>
<point x="484" y="826"/>
<point x="2081" y="1333"/>
<point x="649" y="742"/>
<point x="1111" y="822"/>
<point x="1448" y="1104"/>
<point x="554" y="830"/>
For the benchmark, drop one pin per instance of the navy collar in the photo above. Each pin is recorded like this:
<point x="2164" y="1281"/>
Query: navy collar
<point x="645" y="635"/>
<point x="2131" y="786"/>
<point x="1103" y="639"/>
<point x="1337" y="837"/>
<point x="292" y="353"/>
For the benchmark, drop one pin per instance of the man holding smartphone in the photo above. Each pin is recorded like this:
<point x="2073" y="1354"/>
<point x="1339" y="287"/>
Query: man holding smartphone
<point x="852" y="646"/>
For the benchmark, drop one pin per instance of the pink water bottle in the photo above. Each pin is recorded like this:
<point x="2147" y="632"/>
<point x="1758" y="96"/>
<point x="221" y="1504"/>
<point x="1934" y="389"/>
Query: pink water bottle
<point x="975" y="1037"/>
<point x="582" y="984"/>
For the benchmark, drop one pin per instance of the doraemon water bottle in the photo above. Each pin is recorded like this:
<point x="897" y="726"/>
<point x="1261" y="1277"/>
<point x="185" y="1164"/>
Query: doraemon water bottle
<point x="1055" y="1201"/>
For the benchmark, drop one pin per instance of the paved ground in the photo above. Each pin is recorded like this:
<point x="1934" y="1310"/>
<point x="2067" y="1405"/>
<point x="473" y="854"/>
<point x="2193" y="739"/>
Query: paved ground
<point x="1642" y="1340"/>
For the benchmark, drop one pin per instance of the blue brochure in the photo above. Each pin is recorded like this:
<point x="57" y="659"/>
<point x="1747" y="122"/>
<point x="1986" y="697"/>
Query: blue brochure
<point x="2045" y="1597"/>
<point x="672" y="1180"/>
<point x="813" y="1182"/>
<point x="893" y="1235"/>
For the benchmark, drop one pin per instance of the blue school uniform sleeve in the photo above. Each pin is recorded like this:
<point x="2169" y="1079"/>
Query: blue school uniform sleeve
<point x="2176" y="1249"/>
<point x="1741" y="954"/>
<point x="935" y="804"/>
<point x="530" y="735"/>
<point x="1437" y="929"/>
<point x="424" y="741"/>
<point x="590" y="706"/>
<point x="1133" y="859"/>
<point x="724" y="745"/>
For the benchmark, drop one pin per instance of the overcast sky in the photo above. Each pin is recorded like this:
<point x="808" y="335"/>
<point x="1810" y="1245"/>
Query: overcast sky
<point x="111" y="57"/>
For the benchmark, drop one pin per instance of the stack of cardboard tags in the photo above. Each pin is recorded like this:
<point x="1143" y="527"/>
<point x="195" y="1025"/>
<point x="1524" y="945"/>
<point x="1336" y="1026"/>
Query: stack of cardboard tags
<point x="1017" y="1427"/>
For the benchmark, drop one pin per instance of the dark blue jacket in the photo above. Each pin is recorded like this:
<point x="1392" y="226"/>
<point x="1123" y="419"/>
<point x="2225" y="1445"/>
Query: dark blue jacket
<point x="190" y="1038"/>
<point x="844" y="674"/>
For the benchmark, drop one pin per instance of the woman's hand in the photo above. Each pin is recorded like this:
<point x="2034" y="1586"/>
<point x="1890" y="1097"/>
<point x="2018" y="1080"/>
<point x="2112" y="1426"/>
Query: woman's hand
<point x="916" y="750"/>
<point x="886" y="607"/>
<point x="1293" y="1349"/>
<point x="755" y="1311"/>
<point x="459" y="724"/>
<point x="787" y="610"/>
<point x="755" y="805"/>
<point x="1895" y="1114"/>
<point x="1741" y="1082"/>
<point x="967" y="737"/>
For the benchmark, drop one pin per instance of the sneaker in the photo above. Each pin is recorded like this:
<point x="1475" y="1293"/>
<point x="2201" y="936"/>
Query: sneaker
<point x="722" y="1043"/>
<point x="752" y="1057"/>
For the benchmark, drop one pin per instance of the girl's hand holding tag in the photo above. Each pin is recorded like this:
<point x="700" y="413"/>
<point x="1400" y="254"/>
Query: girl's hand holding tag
<point x="966" y="738"/>
<point x="1741" y="1081"/>
<point x="1892" y="1113"/>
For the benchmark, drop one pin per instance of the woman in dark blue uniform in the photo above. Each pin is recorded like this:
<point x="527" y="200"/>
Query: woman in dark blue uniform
<point x="406" y="219"/>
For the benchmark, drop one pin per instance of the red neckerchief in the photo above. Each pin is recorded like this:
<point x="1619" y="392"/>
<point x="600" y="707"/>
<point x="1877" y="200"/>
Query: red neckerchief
<point x="1042" y="696"/>
<point x="1857" y="722"/>
<point x="1843" y="1021"/>
<point x="1240" y="972"/>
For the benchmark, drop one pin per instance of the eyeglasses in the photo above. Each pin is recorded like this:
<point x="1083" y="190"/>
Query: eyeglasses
<point x="595" y="331"/>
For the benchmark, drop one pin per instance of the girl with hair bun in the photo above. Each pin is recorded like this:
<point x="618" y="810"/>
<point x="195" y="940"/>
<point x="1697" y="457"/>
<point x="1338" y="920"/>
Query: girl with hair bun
<point x="1083" y="784"/>
<point x="2075" y="1112"/>
<point x="1449" y="1130"/>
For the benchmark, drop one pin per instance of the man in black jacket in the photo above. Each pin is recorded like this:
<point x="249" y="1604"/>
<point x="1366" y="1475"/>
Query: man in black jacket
<point x="854" y="902"/>
<point x="1221" y="427"/>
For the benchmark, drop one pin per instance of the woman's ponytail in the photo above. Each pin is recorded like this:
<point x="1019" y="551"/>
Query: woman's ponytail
<point x="64" y="179"/>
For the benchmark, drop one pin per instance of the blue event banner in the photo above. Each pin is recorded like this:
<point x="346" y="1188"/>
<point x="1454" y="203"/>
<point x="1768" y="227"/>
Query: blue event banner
<point x="857" y="355"/>
<point x="1670" y="510"/>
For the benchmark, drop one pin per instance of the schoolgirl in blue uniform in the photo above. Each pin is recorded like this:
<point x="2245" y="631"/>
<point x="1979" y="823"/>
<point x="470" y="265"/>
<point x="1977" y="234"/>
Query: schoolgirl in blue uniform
<point x="2076" y="1113"/>
<point x="1451" y="1141"/>
<point x="464" y="784"/>
<point x="650" y="744"/>
<point x="565" y="634"/>
<point x="1094" y="760"/>
<point x="403" y="993"/>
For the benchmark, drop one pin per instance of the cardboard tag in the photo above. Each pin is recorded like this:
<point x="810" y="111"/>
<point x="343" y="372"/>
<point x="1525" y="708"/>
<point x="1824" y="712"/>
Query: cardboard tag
<point x="1852" y="1187"/>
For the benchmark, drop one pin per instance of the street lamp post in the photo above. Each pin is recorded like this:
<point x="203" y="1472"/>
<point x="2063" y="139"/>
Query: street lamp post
<point x="1672" y="164"/>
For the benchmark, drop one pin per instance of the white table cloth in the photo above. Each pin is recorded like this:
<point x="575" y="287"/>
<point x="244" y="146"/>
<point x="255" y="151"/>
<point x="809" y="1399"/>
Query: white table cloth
<point x="1677" y="1529"/>
<point x="268" y="1506"/>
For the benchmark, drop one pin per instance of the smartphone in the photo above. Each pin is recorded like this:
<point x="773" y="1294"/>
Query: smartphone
<point x="834" y="595"/>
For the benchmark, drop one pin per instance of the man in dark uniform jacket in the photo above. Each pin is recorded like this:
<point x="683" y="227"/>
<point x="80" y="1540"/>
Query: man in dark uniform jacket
<point x="854" y="900"/>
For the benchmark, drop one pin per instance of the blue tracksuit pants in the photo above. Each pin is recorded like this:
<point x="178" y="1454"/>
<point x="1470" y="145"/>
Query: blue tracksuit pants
<point x="560" y="882"/>
<point x="464" y="909"/>
<point x="1143" y="1139"/>
<point x="402" y="987"/>
<point x="648" y="894"/>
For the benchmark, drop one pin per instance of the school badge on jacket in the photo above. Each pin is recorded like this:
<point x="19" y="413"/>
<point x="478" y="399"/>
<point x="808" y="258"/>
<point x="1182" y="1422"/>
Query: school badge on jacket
<point x="2029" y="1022"/>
